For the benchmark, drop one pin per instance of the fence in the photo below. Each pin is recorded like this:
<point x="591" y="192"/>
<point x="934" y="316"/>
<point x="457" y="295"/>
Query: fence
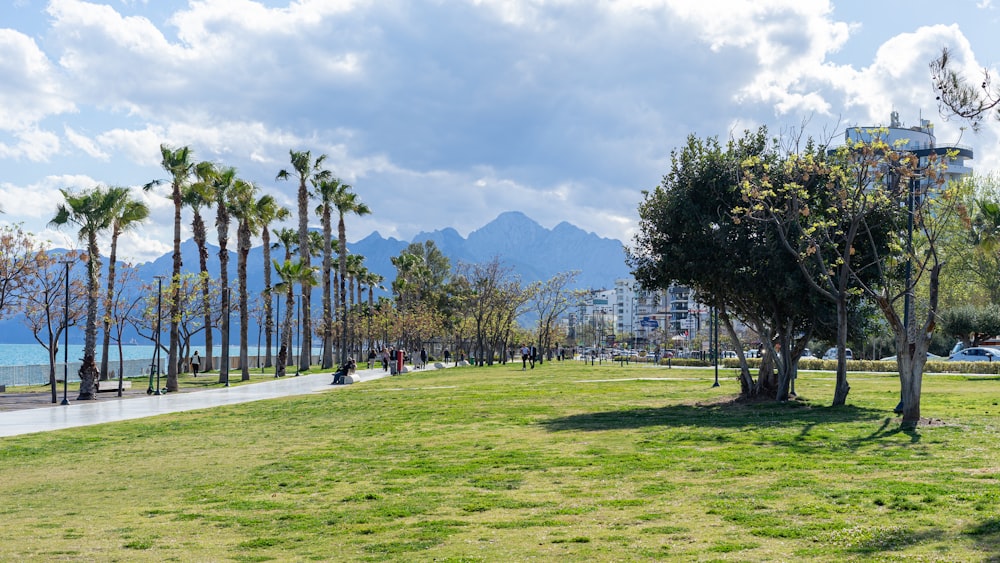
<point x="39" y="374"/>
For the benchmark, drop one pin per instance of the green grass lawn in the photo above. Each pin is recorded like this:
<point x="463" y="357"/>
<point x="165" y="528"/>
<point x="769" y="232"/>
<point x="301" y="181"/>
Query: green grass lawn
<point x="566" y="462"/>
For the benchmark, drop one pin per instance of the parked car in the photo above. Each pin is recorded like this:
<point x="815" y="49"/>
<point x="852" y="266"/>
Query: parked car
<point x="893" y="357"/>
<point x="975" y="354"/>
<point x="831" y="354"/>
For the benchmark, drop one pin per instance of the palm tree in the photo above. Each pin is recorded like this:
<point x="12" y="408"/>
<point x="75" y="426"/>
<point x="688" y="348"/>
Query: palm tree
<point x="325" y="191"/>
<point x="127" y="214"/>
<point x="178" y="163"/>
<point x="290" y="273"/>
<point x="268" y="211"/>
<point x="346" y="202"/>
<point x="355" y="271"/>
<point x="222" y="184"/>
<point x="244" y="208"/>
<point x="986" y="226"/>
<point x="306" y="169"/>
<point x="200" y="194"/>
<point x="372" y="280"/>
<point x="289" y="239"/>
<point x="92" y="211"/>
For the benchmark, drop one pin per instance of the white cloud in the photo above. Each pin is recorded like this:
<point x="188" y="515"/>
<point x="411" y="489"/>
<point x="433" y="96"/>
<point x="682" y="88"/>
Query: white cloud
<point x="32" y="144"/>
<point x="31" y="88"/>
<point x="85" y="144"/>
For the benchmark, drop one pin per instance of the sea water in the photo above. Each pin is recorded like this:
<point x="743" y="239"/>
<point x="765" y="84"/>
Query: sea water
<point x="28" y="364"/>
<point x="36" y="355"/>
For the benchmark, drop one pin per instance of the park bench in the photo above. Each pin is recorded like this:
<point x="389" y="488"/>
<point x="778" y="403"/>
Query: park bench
<point x="111" y="386"/>
<point x="344" y="370"/>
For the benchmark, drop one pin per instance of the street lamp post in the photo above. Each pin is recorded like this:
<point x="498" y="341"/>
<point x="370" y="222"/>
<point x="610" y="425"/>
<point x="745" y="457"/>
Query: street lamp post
<point x="159" y="316"/>
<point x="298" y="319"/>
<point x="65" y="400"/>
<point x="715" y="320"/>
<point x="277" y="330"/>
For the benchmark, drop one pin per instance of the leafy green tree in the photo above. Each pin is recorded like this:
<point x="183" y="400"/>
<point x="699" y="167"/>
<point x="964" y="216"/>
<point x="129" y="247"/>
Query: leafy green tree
<point x="93" y="211"/>
<point x="423" y="274"/>
<point x="971" y="323"/>
<point x="689" y="236"/>
<point x="869" y="219"/>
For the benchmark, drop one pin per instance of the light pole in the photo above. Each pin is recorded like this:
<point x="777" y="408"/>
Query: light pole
<point x="224" y="362"/>
<point x="65" y="400"/>
<point x="159" y="316"/>
<point x="714" y="318"/>
<point x="277" y="330"/>
<point x="298" y="327"/>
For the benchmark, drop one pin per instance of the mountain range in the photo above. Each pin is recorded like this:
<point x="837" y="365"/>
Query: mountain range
<point x="533" y="252"/>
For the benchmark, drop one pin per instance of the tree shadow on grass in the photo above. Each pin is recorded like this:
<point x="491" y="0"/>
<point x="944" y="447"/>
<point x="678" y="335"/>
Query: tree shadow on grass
<point x="986" y="534"/>
<point x="733" y="414"/>
<point x="742" y="415"/>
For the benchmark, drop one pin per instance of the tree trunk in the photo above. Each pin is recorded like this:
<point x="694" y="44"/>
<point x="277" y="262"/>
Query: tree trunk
<point x="911" y="375"/>
<point x="265" y="236"/>
<point x="226" y="294"/>
<point x="842" y="387"/>
<point x="327" y="362"/>
<point x="243" y="247"/>
<point x="198" y="226"/>
<point x="305" y="352"/>
<point x="175" y="289"/>
<point x="88" y="371"/>
<point x="747" y="387"/>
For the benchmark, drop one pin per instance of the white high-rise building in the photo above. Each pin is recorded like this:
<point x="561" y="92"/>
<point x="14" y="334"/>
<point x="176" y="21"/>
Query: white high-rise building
<point x="920" y="141"/>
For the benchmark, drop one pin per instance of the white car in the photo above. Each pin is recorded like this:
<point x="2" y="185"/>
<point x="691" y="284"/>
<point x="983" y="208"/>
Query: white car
<point x="831" y="354"/>
<point x="893" y="357"/>
<point x="976" y="354"/>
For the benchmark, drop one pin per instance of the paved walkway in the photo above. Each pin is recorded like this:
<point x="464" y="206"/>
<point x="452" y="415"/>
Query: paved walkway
<point x="42" y="415"/>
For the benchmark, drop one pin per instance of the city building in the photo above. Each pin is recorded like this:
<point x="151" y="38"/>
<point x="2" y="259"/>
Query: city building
<point x="920" y="141"/>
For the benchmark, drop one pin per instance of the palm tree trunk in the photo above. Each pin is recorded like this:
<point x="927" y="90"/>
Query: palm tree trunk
<point x="224" y="321"/>
<point x="106" y="345"/>
<point x="198" y="226"/>
<point x="88" y="371"/>
<point x="327" y="308"/>
<point x="265" y="237"/>
<point x="305" y="355"/>
<point x="342" y="271"/>
<point x="241" y="267"/>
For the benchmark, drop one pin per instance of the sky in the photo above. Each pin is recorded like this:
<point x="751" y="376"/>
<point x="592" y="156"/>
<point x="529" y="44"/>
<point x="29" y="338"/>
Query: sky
<point x="446" y="113"/>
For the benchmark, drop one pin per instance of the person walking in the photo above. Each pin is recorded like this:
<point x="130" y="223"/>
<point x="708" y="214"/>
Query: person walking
<point x="423" y="357"/>
<point x="524" y="357"/>
<point x="195" y="363"/>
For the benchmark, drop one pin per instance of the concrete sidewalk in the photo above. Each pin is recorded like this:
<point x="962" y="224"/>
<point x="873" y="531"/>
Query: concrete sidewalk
<point x="41" y="415"/>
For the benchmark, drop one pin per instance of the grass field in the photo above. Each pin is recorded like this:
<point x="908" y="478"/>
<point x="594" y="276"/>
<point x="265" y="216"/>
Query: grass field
<point x="566" y="462"/>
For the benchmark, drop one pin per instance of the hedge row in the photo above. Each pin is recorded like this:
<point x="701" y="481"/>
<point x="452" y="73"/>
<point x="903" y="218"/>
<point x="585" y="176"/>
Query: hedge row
<point x="933" y="366"/>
